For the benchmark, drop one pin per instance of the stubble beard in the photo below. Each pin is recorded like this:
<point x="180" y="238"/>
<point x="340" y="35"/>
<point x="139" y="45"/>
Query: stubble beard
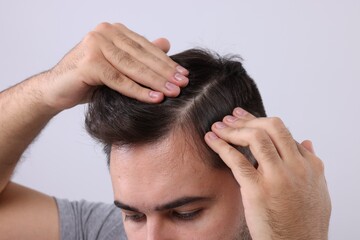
<point x="242" y="232"/>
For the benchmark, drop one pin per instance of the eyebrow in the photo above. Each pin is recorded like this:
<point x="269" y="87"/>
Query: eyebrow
<point x="170" y="205"/>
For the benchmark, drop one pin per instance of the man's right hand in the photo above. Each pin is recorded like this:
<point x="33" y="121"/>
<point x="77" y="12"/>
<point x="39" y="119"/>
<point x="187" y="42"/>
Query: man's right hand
<point x="115" y="56"/>
<point x="111" y="55"/>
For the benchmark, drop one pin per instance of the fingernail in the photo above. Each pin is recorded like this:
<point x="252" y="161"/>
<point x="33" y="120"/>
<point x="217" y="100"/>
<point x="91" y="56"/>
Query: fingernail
<point x="170" y="86"/>
<point x="220" y="125"/>
<point x="240" y="112"/>
<point x="182" y="70"/>
<point x="153" y="94"/>
<point x="212" y="136"/>
<point x="179" y="77"/>
<point x="231" y="118"/>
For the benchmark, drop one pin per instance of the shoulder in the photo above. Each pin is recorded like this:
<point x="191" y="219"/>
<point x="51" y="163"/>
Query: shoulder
<point x="89" y="220"/>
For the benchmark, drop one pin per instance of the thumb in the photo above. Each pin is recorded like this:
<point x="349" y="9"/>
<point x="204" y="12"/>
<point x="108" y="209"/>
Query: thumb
<point x="308" y="145"/>
<point x="163" y="44"/>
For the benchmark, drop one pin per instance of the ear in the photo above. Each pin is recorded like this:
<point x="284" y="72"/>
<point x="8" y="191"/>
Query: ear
<point x="163" y="44"/>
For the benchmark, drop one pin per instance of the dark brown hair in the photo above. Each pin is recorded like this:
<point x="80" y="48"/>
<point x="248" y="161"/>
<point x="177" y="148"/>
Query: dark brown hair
<point x="216" y="86"/>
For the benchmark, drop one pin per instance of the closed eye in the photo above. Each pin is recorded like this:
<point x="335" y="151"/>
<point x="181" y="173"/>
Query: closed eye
<point x="186" y="216"/>
<point x="136" y="217"/>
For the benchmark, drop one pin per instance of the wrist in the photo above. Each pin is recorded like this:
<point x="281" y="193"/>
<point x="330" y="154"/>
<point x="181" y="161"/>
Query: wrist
<point x="38" y="92"/>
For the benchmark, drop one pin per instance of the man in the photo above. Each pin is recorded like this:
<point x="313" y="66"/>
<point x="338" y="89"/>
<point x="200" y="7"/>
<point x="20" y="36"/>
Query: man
<point x="169" y="186"/>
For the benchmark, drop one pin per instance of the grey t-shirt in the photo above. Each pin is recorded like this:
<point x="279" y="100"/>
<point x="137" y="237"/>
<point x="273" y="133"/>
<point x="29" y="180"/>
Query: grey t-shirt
<point x="84" y="220"/>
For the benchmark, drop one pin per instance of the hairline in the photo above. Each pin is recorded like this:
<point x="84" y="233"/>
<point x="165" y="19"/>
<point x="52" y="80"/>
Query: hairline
<point x="178" y="130"/>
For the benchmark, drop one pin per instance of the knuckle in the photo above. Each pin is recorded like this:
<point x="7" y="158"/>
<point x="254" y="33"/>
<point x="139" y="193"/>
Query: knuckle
<point x="151" y="78"/>
<point x="162" y="66"/>
<point x="120" y="26"/>
<point x="131" y="43"/>
<point x="90" y="48"/>
<point x="265" y="145"/>
<point x="142" y="70"/>
<point x="230" y="151"/>
<point x="103" y="26"/>
<point x="123" y="58"/>
<point x="257" y="134"/>
<point x="91" y="38"/>
<point x="120" y="37"/>
<point x="126" y="41"/>
<point x="127" y="61"/>
<point x="280" y="129"/>
<point x="276" y="122"/>
<point x="227" y="152"/>
<point x="138" y="92"/>
<point x="157" y="60"/>
<point x="114" y="76"/>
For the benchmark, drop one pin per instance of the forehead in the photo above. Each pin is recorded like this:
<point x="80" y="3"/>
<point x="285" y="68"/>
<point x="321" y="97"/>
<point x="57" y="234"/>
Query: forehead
<point x="164" y="170"/>
<point x="172" y="156"/>
<point x="175" y="150"/>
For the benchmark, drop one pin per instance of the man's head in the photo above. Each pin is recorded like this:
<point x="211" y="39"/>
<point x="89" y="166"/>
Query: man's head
<point x="167" y="181"/>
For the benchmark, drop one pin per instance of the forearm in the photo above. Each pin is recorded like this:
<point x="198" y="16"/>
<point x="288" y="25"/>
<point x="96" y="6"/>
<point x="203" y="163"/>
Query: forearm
<point x="23" y="114"/>
<point x="145" y="73"/>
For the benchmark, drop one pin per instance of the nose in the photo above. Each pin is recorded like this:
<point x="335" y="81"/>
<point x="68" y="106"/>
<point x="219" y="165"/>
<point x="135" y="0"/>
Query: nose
<point x="158" y="229"/>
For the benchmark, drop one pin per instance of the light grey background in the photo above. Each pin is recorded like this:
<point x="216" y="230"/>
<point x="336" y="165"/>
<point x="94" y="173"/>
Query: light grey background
<point x="304" y="55"/>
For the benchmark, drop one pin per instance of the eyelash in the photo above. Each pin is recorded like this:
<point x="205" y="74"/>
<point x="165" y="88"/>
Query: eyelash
<point x="187" y="216"/>
<point x="135" y="217"/>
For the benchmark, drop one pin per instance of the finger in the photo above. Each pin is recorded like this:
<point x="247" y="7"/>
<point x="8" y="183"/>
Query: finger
<point x="137" y="71"/>
<point x="306" y="149"/>
<point x="275" y="128"/>
<point x="280" y="136"/>
<point x="112" y="78"/>
<point x="144" y="55"/>
<point x="256" y="139"/>
<point x="238" y="118"/>
<point x="151" y="55"/>
<point x="163" y="44"/>
<point x="148" y="45"/>
<point x="242" y="169"/>
<point x="243" y="114"/>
